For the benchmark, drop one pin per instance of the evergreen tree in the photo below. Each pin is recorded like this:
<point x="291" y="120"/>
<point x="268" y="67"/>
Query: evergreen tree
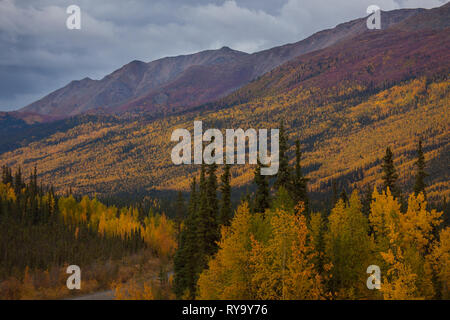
<point x="186" y="266"/>
<point x="207" y="224"/>
<point x="420" y="185"/>
<point x="390" y="175"/>
<point x="211" y="191"/>
<point x="299" y="182"/>
<point x="225" y="188"/>
<point x="284" y="173"/>
<point x="18" y="182"/>
<point x="248" y="197"/>
<point x="344" y="196"/>
<point x="262" y="200"/>
<point x="213" y="209"/>
<point x="7" y="175"/>
<point x="334" y="193"/>
<point x="367" y="200"/>
<point x="179" y="213"/>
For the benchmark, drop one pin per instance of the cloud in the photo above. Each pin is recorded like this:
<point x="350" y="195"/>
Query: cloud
<point x="38" y="54"/>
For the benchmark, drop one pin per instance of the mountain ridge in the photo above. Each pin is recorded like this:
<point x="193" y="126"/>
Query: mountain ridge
<point x="169" y="84"/>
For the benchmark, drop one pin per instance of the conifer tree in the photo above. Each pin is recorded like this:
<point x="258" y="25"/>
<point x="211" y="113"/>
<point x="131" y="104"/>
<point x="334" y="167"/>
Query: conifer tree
<point x="262" y="201"/>
<point x="299" y="182"/>
<point x="7" y="175"/>
<point x="334" y="196"/>
<point x="207" y="223"/>
<point x="284" y="173"/>
<point x="367" y="200"/>
<point x="211" y="191"/>
<point x="249" y="199"/>
<point x="390" y="175"/>
<point x="344" y="196"/>
<point x="18" y="182"/>
<point x="225" y="188"/>
<point x="186" y="267"/>
<point x="213" y="209"/>
<point x="179" y="213"/>
<point x="420" y="185"/>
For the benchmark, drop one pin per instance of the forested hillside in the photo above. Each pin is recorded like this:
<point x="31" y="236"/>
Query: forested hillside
<point x="42" y="233"/>
<point x="345" y="103"/>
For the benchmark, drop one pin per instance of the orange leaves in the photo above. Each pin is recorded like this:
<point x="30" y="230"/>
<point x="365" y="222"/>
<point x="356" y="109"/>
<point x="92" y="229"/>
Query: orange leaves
<point x="159" y="234"/>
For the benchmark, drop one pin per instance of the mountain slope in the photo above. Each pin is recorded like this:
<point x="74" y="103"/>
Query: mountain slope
<point x="124" y="84"/>
<point x="345" y="103"/>
<point x="177" y="83"/>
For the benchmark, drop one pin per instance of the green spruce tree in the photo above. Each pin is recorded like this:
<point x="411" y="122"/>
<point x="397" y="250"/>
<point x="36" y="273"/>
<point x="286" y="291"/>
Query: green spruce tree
<point x="299" y="182"/>
<point x="283" y="178"/>
<point x="262" y="200"/>
<point x="344" y="196"/>
<point x="419" y="184"/>
<point x="225" y="188"/>
<point x="186" y="266"/>
<point x="334" y="194"/>
<point x="207" y="224"/>
<point x="367" y="200"/>
<point x="180" y="213"/>
<point x="390" y="175"/>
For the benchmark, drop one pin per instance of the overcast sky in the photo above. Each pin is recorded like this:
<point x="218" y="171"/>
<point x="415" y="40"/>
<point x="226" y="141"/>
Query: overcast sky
<point x="38" y="54"/>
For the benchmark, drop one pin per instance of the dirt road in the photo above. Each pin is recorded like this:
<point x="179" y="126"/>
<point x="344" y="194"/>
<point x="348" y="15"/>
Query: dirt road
<point x="104" y="295"/>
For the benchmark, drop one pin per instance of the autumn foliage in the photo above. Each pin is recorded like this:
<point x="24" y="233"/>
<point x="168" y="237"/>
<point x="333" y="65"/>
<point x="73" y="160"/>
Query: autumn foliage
<point x="285" y="254"/>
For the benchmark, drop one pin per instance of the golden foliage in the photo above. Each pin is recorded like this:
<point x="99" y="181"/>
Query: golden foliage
<point x="247" y="266"/>
<point x="228" y="275"/>
<point x="349" y="248"/>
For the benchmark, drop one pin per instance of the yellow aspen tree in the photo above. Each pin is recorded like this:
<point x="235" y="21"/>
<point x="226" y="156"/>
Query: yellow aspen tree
<point x="399" y="283"/>
<point x="417" y="224"/>
<point x="384" y="211"/>
<point x="400" y="280"/>
<point x="228" y="275"/>
<point x="404" y="242"/>
<point x="302" y="280"/>
<point x="440" y="261"/>
<point x="349" y="249"/>
<point x="283" y="267"/>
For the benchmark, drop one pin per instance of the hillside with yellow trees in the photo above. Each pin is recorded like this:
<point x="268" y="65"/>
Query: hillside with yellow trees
<point x="340" y="142"/>
<point x="345" y="103"/>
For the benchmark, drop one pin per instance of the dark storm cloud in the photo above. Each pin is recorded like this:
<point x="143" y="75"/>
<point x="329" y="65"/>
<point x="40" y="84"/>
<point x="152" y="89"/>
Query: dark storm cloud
<point x="38" y="54"/>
